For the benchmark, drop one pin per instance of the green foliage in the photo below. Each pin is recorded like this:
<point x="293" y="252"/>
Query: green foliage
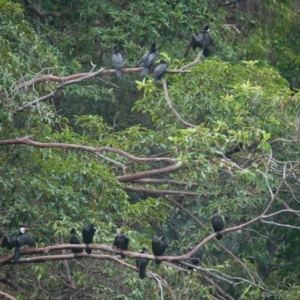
<point x="244" y="116"/>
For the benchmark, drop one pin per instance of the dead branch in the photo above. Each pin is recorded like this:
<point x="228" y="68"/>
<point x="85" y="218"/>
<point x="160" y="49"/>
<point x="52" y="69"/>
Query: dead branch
<point x="28" y="141"/>
<point x="177" y="115"/>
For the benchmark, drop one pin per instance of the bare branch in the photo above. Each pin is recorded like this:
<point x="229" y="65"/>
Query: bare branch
<point x="164" y="181"/>
<point x="172" y="108"/>
<point x="28" y="141"/>
<point x="54" y="78"/>
<point x="155" y="172"/>
<point x="280" y="211"/>
<point x="58" y="89"/>
<point x="281" y="225"/>
<point x="195" y="62"/>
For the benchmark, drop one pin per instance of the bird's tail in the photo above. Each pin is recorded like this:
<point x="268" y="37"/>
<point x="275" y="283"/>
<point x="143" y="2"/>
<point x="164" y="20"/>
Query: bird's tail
<point x="145" y="71"/>
<point x="157" y="262"/>
<point x="188" y="49"/>
<point x="206" y="52"/>
<point x="17" y="255"/>
<point x="119" y="73"/>
<point x="142" y="273"/>
<point x="219" y="236"/>
<point x="88" y="251"/>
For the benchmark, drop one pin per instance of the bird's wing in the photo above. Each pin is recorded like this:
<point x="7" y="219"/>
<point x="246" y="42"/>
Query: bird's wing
<point x="207" y="40"/>
<point x="144" y="58"/>
<point x="26" y="239"/>
<point x="8" y="242"/>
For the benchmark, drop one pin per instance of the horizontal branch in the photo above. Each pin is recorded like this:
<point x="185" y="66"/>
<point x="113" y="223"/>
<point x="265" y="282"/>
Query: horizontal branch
<point x="54" y="78"/>
<point x="159" y="192"/>
<point x="58" y="89"/>
<point x="28" y="141"/>
<point x="164" y="181"/>
<point x="155" y="172"/>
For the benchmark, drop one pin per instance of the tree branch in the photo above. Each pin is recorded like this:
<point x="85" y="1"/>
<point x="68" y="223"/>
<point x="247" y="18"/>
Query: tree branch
<point x="158" y="192"/>
<point x="7" y="296"/>
<point x="28" y="141"/>
<point x="89" y="75"/>
<point x="155" y="172"/>
<point x="54" y="78"/>
<point x="177" y="115"/>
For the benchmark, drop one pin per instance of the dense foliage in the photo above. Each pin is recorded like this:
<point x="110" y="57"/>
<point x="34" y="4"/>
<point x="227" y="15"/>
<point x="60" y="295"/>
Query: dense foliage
<point x="158" y="159"/>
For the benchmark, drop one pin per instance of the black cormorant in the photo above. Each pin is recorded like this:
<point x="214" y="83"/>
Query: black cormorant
<point x="88" y="232"/>
<point x="160" y="70"/>
<point x="159" y="246"/>
<point x="121" y="242"/>
<point x="141" y="263"/>
<point x="195" y="258"/>
<point x="18" y="242"/>
<point x="117" y="61"/>
<point x="201" y="40"/>
<point x="217" y="223"/>
<point x="148" y="60"/>
<point x="75" y="240"/>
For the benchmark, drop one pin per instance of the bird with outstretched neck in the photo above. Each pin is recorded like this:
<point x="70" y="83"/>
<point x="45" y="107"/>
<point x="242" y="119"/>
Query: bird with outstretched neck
<point x="141" y="263"/>
<point x="88" y="232"/>
<point x="121" y="242"/>
<point x="217" y="223"/>
<point x="159" y="246"/>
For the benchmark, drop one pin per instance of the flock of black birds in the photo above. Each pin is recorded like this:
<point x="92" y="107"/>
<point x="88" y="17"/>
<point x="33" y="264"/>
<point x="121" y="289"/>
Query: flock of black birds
<point x="203" y="40"/>
<point x="159" y="244"/>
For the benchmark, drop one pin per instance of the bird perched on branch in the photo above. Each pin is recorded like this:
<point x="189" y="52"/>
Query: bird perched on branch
<point x="159" y="246"/>
<point x="195" y="258"/>
<point x="88" y="232"/>
<point x="201" y="40"/>
<point x="141" y="263"/>
<point x="75" y="240"/>
<point x="18" y="242"/>
<point x="148" y="59"/>
<point x="217" y="223"/>
<point x="121" y="242"/>
<point x="117" y="60"/>
<point x="160" y="70"/>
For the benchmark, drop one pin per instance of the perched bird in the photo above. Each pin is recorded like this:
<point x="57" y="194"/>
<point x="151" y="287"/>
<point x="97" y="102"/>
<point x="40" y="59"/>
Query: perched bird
<point x="18" y="242"/>
<point x="121" y="242"/>
<point x="217" y="223"/>
<point x="148" y="59"/>
<point x="159" y="246"/>
<point x="141" y="263"/>
<point x="160" y="70"/>
<point x="88" y="232"/>
<point x="195" y="258"/>
<point x="75" y="240"/>
<point x="201" y="40"/>
<point x="117" y="60"/>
